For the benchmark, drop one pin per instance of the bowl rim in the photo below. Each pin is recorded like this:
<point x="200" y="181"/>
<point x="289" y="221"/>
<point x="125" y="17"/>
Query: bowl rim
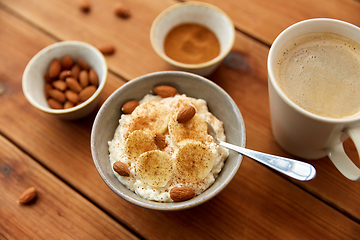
<point x="153" y="205"/>
<point x="43" y="51"/>
<point x="187" y="65"/>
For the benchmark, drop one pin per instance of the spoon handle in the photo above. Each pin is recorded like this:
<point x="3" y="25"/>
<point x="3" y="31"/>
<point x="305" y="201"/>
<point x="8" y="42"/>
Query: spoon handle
<point x="292" y="168"/>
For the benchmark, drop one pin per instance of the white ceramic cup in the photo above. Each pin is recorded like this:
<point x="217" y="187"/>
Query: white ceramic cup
<point x="194" y="12"/>
<point x="302" y="133"/>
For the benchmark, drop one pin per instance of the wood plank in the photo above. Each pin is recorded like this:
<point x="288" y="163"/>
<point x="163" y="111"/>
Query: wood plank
<point x="240" y="210"/>
<point x="58" y="211"/>
<point x="100" y="25"/>
<point x="265" y="20"/>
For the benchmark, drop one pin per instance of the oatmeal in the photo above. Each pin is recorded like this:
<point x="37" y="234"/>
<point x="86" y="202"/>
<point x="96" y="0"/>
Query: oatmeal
<point x="161" y="154"/>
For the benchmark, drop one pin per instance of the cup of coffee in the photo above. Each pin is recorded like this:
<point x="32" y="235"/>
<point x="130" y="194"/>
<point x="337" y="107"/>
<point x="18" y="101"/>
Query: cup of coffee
<point x="314" y="87"/>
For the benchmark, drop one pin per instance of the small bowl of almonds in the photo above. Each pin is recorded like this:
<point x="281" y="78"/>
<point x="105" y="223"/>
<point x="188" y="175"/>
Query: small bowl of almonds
<point x="65" y="79"/>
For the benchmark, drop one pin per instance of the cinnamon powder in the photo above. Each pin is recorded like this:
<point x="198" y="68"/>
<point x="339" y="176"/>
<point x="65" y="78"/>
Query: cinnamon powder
<point x="191" y="44"/>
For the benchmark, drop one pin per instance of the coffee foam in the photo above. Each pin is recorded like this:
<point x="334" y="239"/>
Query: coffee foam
<point x="320" y="73"/>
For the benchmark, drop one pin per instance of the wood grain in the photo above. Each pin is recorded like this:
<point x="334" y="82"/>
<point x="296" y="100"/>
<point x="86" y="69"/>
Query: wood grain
<point x="264" y="20"/>
<point x="101" y="25"/>
<point x="58" y="211"/>
<point x="257" y="204"/>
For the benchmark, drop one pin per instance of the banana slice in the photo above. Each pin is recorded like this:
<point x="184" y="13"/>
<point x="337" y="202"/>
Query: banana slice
<point x="195" y="129"/>
<point x="154" y="168"/>
<point x="150" y="117"/>
<point x="137" y="143"/>
<point x="194" y="161"/>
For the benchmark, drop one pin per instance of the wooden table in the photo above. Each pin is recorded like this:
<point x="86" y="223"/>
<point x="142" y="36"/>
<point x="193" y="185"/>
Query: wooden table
<point x="37" y="149"/>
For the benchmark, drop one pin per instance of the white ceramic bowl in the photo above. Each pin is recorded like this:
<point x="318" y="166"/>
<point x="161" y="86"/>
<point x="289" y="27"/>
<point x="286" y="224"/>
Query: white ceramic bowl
<point x="194" y="12"/>
<point x="219" y="103"/>
<point x="33" y="82"/>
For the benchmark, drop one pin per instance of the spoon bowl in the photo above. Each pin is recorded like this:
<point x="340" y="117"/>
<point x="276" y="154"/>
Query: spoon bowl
<point x="293" y="168"/>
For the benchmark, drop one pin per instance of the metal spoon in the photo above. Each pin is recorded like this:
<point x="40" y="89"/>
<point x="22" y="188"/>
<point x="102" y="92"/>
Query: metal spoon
<point x="292" y="168"/>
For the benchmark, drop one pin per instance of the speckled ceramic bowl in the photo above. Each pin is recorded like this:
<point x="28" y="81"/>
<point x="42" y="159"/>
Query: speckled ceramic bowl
<point x="219" y="103"/>
<point x="194" y="12"/>
<point x="33" y="82"/>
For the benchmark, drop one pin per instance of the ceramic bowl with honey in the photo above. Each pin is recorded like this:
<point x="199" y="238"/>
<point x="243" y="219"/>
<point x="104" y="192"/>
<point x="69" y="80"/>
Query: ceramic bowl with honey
<point x="193" y="37"/>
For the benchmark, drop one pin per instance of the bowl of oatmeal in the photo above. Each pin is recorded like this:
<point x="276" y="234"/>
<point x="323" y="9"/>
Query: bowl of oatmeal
<point x="150" y="146"/>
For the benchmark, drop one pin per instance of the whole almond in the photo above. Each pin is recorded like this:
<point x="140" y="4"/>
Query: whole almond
<point x="54" y="104"/>
<point x="67" y="62"/>
<point x="130" y="106"/>
<point x="84" y="5"/>
<point x="68" y="104"/>
<point x="106" y="48"/>
<point x="54" y="68"/>
<point x="73" y="84"/>
<point x="83" y="64"/>
<point x="121" y="168"/>
<point x="185" y="114"/>
<point x="59" y="84"/>
<point x="165" y="91"/>
<point x="86" y="93"/>
<point x="64" y="74"/>
<point x="121" y="10"/>
<point x="160" y="140"/>
<point x="28" y="195"/>
<point x="72" y="96"/>
<point x="75" y="70"/>
<point x="48" y="87"/>
<point x="84" y="78"/>
<point x="179" y="194"/>
<point x="93" y="77"/>
<point x="47" y="77"/>
<point x="57" y="95"/>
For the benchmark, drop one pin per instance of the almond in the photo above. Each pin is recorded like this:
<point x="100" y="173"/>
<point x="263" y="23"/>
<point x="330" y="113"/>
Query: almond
<point x="160" y="140"/>
<point x="47" y="77"/>
<point x="54" y="68"/>
<point x="93" y="77"/>
<point x="86" y="93"/>
<point x="68" y="105"/>
<point x="84" y="78"/>
<point x="27" y="196"/>
<point x="75" y="70"/>
<point x="59" y="84"/>
<point x="84" y="5"/>
<point x="67" y="62"/>
<point x="121" y="10"/>
<point x="71" y="96"/>
<point x="73" y="84"/>
<point x="83" y="64"/>
<point x="106" y="48"/>
<point x="121" y="168"/>
<point x="130" y="106"/>
<point x="54" y="104"/>
<point x="165" y="91"/>
<point x="179" y="194"/>
<point x="57" y="95"/>
<point x="64" y="74"/>
<point x="48" y="87"/>
<point x="185" y="114"/>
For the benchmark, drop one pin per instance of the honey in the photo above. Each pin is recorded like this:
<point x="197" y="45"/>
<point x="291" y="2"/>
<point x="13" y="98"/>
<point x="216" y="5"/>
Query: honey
<point x="191" y="43"/>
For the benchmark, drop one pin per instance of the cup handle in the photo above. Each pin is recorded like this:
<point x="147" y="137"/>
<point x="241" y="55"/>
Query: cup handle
<point x="340" y="159"/>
